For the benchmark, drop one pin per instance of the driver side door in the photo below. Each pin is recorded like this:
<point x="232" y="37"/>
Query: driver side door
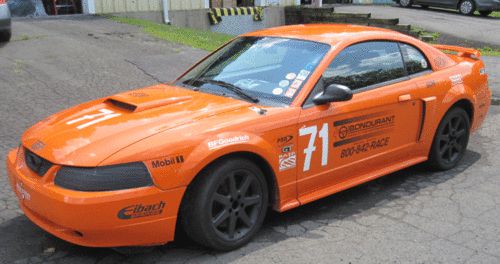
<point x="341" y="144"/>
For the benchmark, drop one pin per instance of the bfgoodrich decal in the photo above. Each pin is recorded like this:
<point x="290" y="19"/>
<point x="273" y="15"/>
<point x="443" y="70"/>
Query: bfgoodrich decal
<point x="141" y="210"/>
<point x="227" y="141"/>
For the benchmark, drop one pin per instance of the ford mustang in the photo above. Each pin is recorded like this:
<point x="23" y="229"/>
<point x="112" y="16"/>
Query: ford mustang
<point x="273" y="119"/>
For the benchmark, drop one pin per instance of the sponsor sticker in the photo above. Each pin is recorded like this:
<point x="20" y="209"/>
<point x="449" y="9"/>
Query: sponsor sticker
<point x="23" y="194"/>
<point x="167" y="161"/>
<point x="364" y="124"/>
<point x="284" y="140"/>
<point x="227" y="141"/>
<point x="286" y="149"/>
<point x="284" y="83"/>
<point x="296" y="84"/>
<point x="290" y="76"/>
<point x="290" y="92"/>
<point x="277" y="91"/>
<point x="303" y="75"/>
<point x="364" y="147"/>
<point x="141" y="210"/>
<point x="138" y="94"/>
<point x="287" y="161"/>
<point x="456" y="79"/>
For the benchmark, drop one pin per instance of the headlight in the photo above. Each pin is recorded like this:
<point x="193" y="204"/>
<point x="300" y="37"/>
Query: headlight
<point x="105" y="178"/>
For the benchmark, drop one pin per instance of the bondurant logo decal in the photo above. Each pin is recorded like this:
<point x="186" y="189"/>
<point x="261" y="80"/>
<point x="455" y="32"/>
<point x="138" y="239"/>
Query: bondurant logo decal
<point x="141" y="210"/>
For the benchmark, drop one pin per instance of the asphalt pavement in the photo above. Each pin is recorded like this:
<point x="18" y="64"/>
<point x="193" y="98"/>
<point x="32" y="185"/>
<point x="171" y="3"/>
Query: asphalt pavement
<point x="412" y="216"/>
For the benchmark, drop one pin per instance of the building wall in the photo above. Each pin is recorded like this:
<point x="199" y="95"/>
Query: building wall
<point x="122" y="6"/>
<point x="372" y="2"/>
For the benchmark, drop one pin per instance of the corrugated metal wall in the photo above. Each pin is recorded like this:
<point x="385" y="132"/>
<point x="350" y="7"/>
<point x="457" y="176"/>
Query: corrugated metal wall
<point x="372" y="2"/>
<point x="121" y="6"/>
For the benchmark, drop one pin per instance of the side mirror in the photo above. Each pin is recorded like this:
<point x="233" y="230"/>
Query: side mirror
<point x="333" y="93"/>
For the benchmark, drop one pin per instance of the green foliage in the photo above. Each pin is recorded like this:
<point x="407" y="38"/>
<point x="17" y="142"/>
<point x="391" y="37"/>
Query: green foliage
<point x="195" y="38"/>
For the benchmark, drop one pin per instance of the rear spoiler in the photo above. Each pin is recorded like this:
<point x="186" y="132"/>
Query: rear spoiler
<point x="461" y="52"/>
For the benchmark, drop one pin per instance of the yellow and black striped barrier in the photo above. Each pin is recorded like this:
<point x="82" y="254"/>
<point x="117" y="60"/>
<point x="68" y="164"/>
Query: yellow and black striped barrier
<point x="215" y="14"/>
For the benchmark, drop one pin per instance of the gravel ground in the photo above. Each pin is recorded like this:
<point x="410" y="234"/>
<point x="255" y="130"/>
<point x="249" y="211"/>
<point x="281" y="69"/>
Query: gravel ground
<point x="413" y="216"/>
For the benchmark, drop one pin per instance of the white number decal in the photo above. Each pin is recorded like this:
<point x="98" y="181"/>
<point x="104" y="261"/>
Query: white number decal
<point x="323" y="134"/>
<point x="105" y="114"/>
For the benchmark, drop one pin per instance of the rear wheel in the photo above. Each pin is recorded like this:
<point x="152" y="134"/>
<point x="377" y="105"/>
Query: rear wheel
<point x="467" y="7"/>
<point x="450" y="141"/>
<point x="405" y="3"/>
<point x="485" y="13"/>
<point x="5" y="35"/>
<point x="226" y="204"/>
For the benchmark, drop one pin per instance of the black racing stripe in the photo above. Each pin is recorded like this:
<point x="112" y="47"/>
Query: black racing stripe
<point x="358" y="118"/>
<point x="358" y="138"/>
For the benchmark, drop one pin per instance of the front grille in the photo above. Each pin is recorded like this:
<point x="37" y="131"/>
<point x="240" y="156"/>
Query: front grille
<point x="36" y="163"/>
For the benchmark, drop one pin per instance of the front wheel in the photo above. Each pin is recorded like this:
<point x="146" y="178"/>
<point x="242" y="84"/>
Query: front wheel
<point x="467" y="7"/>
<point x="450" y="140"/>
<point x="405" y="3"/>
<point x="225" y="205"/>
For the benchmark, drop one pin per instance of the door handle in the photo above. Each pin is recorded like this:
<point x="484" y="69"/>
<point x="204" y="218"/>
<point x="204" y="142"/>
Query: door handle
<point x="404" y="97"/>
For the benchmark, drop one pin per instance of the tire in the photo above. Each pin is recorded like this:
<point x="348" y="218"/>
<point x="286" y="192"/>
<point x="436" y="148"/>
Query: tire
<point x="485" y="13"/>
<point x="5" y="35"/>
<point x="450" y="141"/>
<point x="405" y="3"/>
<point x="219" y="216"/>
<point x="467" y="7"/>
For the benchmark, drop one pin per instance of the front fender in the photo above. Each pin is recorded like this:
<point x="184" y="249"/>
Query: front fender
<point x="221" y="145"/>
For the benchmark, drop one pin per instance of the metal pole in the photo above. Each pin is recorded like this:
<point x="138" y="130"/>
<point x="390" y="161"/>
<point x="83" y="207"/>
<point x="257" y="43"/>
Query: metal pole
<point x="166" y="19"/>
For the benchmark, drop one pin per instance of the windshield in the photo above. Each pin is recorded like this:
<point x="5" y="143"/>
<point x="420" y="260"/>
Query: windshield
<point x="267" y="70"/>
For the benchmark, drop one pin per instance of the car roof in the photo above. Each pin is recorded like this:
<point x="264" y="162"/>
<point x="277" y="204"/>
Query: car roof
<point x="327" y="33"/>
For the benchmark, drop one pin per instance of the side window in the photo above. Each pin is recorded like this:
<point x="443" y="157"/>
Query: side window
<point x="415" y="61"/>
<point x="366" y="64"/>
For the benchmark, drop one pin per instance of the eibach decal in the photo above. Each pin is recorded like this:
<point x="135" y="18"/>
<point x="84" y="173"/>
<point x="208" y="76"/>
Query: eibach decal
<point x="141" y="210"/>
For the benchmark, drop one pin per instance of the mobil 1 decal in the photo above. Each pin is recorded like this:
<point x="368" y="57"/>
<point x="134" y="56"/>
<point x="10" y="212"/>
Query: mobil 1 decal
<point x="360" y="134"/>
<point x="363" y="134"/>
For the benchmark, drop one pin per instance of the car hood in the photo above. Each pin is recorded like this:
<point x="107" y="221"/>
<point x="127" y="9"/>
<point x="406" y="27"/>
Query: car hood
<point x="86" y="134"/>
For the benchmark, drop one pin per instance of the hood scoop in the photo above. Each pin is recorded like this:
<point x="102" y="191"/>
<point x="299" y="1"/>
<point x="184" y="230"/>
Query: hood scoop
<point x="133" y="103"/>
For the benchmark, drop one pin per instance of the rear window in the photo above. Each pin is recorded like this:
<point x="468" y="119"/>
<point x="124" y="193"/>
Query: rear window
<point x="366" y="64"/>
<point x="415" y="61"/>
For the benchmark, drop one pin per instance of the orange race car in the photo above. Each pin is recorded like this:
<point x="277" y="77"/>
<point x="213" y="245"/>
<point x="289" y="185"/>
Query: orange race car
<point x="274" y="118"/>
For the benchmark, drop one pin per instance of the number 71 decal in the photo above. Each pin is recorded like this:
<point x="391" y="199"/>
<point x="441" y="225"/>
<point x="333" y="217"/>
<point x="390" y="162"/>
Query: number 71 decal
<point x="323" y="134"/>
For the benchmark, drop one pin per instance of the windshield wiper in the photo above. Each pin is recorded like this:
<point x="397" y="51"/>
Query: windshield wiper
<point x="237" y="90"/>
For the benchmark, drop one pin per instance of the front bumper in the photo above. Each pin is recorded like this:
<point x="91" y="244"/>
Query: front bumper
<point x="92" y="218"/>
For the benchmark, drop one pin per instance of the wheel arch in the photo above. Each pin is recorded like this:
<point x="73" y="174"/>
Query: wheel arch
<point x="467" y="106"/>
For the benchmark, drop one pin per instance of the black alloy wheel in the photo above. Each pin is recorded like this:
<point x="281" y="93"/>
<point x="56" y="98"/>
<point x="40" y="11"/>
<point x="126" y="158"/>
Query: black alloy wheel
<point x="236" y="205"/>
<point x="226" y="204"/>
<point x="451" y="139"/>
